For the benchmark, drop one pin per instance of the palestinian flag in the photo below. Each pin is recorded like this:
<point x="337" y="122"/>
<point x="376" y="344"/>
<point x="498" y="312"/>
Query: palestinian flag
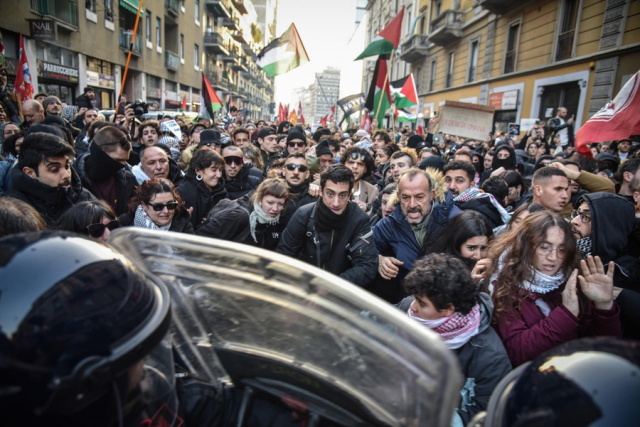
<point x="379" y="97"/>
<point x="387" y="40"/>
<point x="283" y="54"/>
<point x="210" y="102"/>
<point x="404" y="92"/>
<point x="405" y="116"/>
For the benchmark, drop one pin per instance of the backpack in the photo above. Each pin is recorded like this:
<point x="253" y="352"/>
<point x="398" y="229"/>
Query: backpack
<point x="216" y="222"/>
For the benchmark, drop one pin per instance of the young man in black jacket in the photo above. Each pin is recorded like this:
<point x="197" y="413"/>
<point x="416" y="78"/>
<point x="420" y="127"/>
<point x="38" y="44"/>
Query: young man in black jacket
<point x="333" y="233"/>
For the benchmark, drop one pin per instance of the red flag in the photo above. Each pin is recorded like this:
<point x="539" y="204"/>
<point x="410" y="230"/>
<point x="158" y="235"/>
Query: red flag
<point x="300" y="116"/>
<point x="23" y="85"/>
<point x="366" y="122"/>
<point x="332" y="114"/>
<point x="323" y="121"/>
<point x="184" y="103"/>
<point x="618" y="119"/>
<point x="286" y="111"/>
<point x="420" y="130"/>
<point x="281" y="116"/>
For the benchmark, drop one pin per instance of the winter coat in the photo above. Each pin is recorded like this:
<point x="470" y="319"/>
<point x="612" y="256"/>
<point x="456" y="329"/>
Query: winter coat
<point x="176" y="176"/>
<point x="302" y="197"/>
<point x="50" y="202"/>
<point x="232" y="223"/>
<point x="247" y="180"/>
<point x="124" y="180"/>
<point x="181" y="222"/>
<point x="268" y="159"/>
<point x="394" y="237"/>
<point x="526" y="332"/>
<point x="348" y="253"/>
<point x="483" y="360"/>
<point x="196" y="195"/>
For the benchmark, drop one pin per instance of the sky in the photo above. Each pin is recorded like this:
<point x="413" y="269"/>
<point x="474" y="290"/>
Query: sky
<point x="329" y="34"/>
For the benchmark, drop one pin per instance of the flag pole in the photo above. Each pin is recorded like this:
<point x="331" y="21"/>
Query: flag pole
<point x="132" y="42"/>
<point x="384" y="85"/>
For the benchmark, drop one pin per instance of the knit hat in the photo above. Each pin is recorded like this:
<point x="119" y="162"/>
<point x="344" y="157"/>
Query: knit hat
<point x="265" y="131"/>
<point x="323" y="148"/>
<point x="296" y="135"/>
<point x="88" y="89"/>
<point x="49" y="99"/>
<point x="432" y="162"/>
<point x="414" y="140"/>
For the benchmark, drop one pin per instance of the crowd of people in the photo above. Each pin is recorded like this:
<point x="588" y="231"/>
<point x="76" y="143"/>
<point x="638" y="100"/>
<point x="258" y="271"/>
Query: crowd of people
<point x="506" y="248"/>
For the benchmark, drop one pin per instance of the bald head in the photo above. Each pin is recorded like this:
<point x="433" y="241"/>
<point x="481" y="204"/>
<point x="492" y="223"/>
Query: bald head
<point x="33" y="112"/>
<point x="154" y="162"/>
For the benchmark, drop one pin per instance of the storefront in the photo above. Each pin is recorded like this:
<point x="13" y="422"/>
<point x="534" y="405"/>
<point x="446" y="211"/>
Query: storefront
<point x="100" y="76"/>
<point x="506" y="101"/>
<point x="57" y="80"/>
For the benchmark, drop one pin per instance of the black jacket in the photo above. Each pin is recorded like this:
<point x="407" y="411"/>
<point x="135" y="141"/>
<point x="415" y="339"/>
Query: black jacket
<point x="247" y="180"/>
<point x="268" y="159"/>
<point x="300" y="196"/>
<point x="50" y="202"/>
<point x="97" y="166"/>
<point x="196" y="195"/>
<point x="349" y="253"/>
<point x="181" y="222"/>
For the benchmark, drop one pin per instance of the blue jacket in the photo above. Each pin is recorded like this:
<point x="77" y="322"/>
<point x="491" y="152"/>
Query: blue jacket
<point x="394" y="237"/>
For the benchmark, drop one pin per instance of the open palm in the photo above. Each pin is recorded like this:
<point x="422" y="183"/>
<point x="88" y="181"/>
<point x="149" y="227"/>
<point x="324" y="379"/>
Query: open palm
<point x="595" y="283"/>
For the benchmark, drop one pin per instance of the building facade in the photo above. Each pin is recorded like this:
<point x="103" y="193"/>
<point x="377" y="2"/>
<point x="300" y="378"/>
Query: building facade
<point x="166" y="48"/>
<point x="524" y="58"/>
<point x="321" y="95"/>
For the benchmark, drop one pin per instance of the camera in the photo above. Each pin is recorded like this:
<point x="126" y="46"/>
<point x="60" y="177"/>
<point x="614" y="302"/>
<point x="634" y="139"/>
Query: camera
<point x="139" y="107"/>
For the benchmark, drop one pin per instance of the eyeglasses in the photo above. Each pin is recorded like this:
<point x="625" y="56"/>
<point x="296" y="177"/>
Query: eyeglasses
<point x="160" y="206"/>
<point x="230" y="160"/>
<point x="546" y="249"/>
<point x="292" y="166"/>
<point x="296" y="143"/>
<point x="585" y="217"/>
<point x="97" y="230"/>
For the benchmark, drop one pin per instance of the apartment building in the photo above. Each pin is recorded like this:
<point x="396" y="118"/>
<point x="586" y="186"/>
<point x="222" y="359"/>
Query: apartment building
<point x="524" y="58"/>
<point x="72" y="44"/>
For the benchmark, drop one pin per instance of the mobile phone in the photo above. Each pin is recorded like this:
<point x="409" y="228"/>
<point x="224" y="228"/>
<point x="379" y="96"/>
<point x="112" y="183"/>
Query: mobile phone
<point x="537" y="122"/>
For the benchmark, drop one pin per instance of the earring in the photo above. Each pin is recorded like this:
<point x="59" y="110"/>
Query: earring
<point x="199" y="177"/>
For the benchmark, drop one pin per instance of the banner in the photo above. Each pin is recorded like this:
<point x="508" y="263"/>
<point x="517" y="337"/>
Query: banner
<point x="352" y="103"/>
<point x="466" y="120"/>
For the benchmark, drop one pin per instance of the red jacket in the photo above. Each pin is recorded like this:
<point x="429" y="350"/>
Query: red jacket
<point x="526" y="333"/>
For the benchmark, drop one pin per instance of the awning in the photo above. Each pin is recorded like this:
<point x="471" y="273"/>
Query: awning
<point x="131" y="5"/>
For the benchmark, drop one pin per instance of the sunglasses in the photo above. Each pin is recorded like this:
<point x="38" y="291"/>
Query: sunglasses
<point x="293" y="166"/>
<point x="230" y="160"/>
<point x="97" y="230"/>
<point x="296" y="144"/>
<point x="355" y="155"/>
<point x="160" y="206"/>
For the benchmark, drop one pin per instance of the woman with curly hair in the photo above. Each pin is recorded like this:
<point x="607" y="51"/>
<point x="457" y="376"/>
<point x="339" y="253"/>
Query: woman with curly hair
<point x="534" y="287"/>
<point x="445" y="299"/>
<point x="157" y="206"/>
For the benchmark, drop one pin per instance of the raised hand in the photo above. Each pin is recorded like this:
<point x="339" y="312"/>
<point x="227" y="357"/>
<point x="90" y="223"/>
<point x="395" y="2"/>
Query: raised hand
<point x="570" y="294"/>
<point x="595" y="283"/>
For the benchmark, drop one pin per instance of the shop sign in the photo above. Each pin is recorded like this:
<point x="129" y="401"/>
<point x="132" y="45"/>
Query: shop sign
<point x="107" y="81"/>
<point x="93" y="79"/>
<point x="51" y="71"/>
<point x="466" y="120"/>
<point x="42" y="29"/>
<point x="504" y="100"/>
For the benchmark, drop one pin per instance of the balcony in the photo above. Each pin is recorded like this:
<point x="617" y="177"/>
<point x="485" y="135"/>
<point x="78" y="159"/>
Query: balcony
<point x="171" y="8"/>
<point x="248" y="50"/>
<point x="217" y="81"/>
<point x="241" y="65"/>
<point x="125" y="42"/>
<point x="219" y="8"/>
<point x="447" y="27"/>
<point x="499" y="7"/>
<point x="65" y="11"/>
<point x="230" y="23"/>
<point x="171" y="60"/>
<point x="240" y="37"/>
<point x="214" y="44"/>
<point x="415" y="48"/>
<point x="239" y="4"/>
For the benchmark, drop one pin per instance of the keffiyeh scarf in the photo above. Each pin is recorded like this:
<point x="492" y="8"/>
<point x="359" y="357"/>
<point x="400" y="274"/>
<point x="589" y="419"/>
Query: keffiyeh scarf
<point x="475" y="193"/>
<point x="141" y="219"/>
<point x="455" y="330"/>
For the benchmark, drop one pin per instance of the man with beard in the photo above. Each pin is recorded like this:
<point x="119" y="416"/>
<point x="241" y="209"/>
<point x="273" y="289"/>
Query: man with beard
<point x="406" y="234"/>
<point x="624" y="146"/>
<point x="53" y="107"/>
<point x="44" y="178"/>
<point x="332" y="233"/>
<point x="83" y="140"/>
<point x="628" y="176"/>
<point x="104" y="170"/>
<point x="240" y="178"/>
<point x="33" y="112"/>
<point x="362" y="165"/>
<point x="296" y="174"/>
<point x="603" y="225"/>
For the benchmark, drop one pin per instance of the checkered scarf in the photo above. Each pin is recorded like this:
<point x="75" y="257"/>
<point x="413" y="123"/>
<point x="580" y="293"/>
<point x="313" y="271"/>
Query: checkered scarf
<point x="455" y="330"/>
<point x="475" y="193"/>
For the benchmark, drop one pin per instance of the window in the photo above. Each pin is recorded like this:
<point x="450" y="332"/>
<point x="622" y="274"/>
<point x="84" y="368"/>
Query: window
<point x="158" y="32"/>
<point x="568" y="20"/>
<point x="473" y="60"/>
<point x="147" y="24"/>
<point x="197" y="10"/>
<point x="432" y="76"/>
<point x="196" y="56"/>
<point x="450" y="70"/>
<point x="108" y="10"/>
<point x="409" y="21"/>
<point x="90" y="5"/>
<point x="181" y="47"/>
<point x="512" y="47"/>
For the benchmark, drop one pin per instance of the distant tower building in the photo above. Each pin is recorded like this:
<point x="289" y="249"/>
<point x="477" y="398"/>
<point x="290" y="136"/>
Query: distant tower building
<point x="323" y="93"/>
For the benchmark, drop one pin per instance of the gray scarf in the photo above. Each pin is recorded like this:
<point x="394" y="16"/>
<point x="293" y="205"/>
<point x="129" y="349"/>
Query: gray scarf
<point x="258" y="216"/>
